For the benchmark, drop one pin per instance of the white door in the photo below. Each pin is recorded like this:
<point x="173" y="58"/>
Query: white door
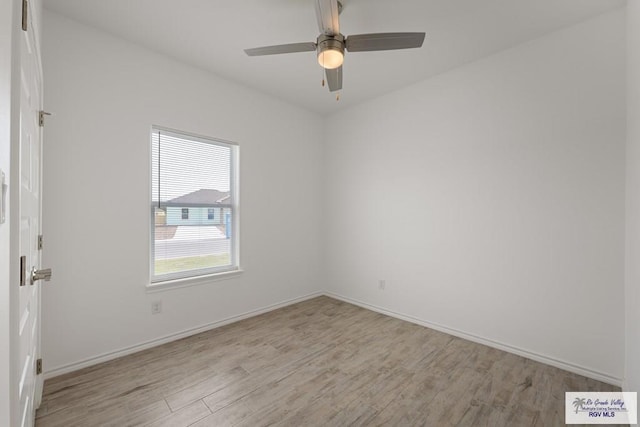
<point x="29" y="382"/>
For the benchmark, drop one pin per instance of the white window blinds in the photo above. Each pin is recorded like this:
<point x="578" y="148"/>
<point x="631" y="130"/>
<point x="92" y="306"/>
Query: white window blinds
<point x="193" y="205"/>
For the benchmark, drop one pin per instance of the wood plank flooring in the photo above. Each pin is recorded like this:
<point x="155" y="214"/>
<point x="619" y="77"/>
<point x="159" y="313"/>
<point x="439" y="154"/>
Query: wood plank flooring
<point x="321" y="362"/>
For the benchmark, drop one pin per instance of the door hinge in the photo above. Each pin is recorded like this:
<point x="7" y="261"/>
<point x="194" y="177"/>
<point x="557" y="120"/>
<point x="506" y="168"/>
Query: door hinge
<point x="38" y="366"/>
<point x="25" y="17"/>
<point x="41" y="115"/>
<point x="40" y="242"/>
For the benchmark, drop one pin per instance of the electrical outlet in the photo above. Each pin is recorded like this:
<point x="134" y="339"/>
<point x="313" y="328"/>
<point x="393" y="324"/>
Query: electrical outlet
<point x="382" y="284"/>
<point x="156" y="307"/>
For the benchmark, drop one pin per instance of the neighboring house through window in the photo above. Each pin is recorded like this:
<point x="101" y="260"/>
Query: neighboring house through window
<point x="193" y="206"/>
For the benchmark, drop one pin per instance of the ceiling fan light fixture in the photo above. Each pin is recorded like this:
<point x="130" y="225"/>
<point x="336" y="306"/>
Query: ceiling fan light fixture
<point x="330" y="51"/>
<point x="330" y="59"/>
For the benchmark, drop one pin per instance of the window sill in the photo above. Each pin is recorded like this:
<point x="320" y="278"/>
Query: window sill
<point x="191" y="281"/>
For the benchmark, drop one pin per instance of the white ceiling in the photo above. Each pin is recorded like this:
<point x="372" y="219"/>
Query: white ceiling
<point x="211" y="34"/>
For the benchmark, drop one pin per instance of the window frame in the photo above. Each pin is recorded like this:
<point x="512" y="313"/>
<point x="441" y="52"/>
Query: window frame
<point x="195" y="277"/>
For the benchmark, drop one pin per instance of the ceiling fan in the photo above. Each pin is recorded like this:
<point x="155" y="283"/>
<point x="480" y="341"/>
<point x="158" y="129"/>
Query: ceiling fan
<point x="331" y="44"/>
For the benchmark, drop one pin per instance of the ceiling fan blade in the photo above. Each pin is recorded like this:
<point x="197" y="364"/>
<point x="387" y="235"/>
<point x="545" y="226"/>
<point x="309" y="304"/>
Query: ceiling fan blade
<point x="334" y="79"/>
<point x="383" y="41"/>
<point x="328" y="14"/>
<point x="281" y="48"/>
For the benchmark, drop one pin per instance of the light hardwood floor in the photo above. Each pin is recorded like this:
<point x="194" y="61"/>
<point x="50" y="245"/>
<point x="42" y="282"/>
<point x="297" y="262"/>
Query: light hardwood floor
<point x="321" y="362"/>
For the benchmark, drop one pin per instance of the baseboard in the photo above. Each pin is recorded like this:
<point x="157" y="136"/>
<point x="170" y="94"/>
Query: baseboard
<point x="561" y="364"/>
<point x="51" y="373"/>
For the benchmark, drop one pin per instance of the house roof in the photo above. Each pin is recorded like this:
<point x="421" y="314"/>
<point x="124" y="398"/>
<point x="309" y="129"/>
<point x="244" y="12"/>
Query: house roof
<point x="204" y="196"/>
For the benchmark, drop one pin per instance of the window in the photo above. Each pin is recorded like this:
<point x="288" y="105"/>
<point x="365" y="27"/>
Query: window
<point x="194" y="206"/>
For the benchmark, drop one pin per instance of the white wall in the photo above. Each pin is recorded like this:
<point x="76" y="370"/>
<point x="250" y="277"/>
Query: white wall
<point x="632" y="294"/>
<point x="491" y="199"/>
<point x="105" y="94"/>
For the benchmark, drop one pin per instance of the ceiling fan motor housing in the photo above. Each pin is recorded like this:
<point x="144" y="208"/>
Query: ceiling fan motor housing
<point x="328" y="43"/>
